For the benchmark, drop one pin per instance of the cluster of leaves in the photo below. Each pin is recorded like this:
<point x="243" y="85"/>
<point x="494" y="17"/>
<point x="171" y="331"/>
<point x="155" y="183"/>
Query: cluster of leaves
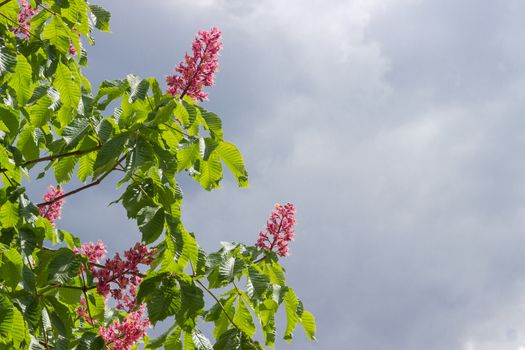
<point x="50" y="114"/>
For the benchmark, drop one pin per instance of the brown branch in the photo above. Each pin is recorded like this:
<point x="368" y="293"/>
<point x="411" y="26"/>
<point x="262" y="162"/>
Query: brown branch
<point x="56" y="156"/>
<point x="61" y="155"/>
<point x="94" y="183"/>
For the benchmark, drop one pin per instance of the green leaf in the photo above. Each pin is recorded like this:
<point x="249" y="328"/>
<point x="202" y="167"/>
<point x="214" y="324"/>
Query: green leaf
<point x="10" y="119"/>
<point x="267" y="310"/>
<point x="21" y="80"/>
<point x="187" y="155"/>
<point x="70" y="296"/>
<point x="226" y="268"/>
<point x="68" y="86"/>
<point x="40" y="112"/>
<point x="8" y="214"/>
<point x="173" y="342"/>
<point x="308" y="323"/>
<point x="58" y="34"/>
<point x="160" y="340"/>
<point x="108" y="155"/>
<point x="200" y="341"/>
<point x="210" y="173"/>
<point x="19" y="332"/>
<point x="213" y="123"/>
<point x="151" y="223"/>
<point x="85" y="168"/>
<point x="64" y="168"/>
<point x="192" y="304"/>
<point x="138" y="88"/>
<point x="26" y="143"/>
<point x="231" y="156"/>
<point x="163" y="302"/>
<point x="90" y="341"/>
<point x="243" y="318"/>
<point x="10" y="10"/>
<point x="11" y="267"/>
<point x="63" y="267"/>
<point x="290" y="303"/>
<point x="74" y="132"/>
<point x="102" y="17"/>
<point x="7" y="60"/>
<point x="259" y="282"/>
<point x="236" y="340"/>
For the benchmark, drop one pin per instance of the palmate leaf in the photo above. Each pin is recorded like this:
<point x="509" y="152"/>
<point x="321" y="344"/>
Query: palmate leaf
<point x="213" y="123"/>
<point x="151" y="223"/>
<point x="68" y="86"/>
<point x="308" y="323"/>
<point x="57" y="33"/>
<point x="200" y="341"/>
<point x="10" y="10"/>
<point x="7" y="59"/>
<point x="108" y="155"/>
<point x="243" y="318"/>
<point x="163" y="302"/>
<point x="259" y="282"/>
<point x="210" y="172"/>
<point x="138" y="87"/>
<point x="21" y="80"/>
<point x="64" y="168"/>
<point x="291" y="304"/>
<point x="74" y="132"/>
<point x="90" y="341"/>
<point x="102" y="17"/>
<point x="85" y="167"/>
<point x="231" y="156"/>
<point x="236" y="340"/>
<point x="40" y="112"/>
<point x="8" y="214"/>
<point x="63" y="266"/>
<point x="11" y="266"/>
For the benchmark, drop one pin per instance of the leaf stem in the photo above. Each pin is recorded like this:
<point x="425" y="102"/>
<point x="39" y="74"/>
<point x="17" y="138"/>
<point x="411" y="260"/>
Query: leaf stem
<point x="218" y="302"/>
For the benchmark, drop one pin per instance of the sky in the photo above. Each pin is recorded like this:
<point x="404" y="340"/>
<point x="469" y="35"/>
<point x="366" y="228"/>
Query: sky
<point x="396" y="128"/>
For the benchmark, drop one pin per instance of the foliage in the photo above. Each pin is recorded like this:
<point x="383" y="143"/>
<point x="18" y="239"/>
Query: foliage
<point x="49" y="291"/>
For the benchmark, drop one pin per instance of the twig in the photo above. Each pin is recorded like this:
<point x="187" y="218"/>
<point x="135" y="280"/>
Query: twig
<point x="56" y="156"/>
<point x="218" y="302"/>
<point x="94" y="183"/>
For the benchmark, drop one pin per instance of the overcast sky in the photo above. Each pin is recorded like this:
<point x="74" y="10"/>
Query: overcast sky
<point x="396" y="127"/>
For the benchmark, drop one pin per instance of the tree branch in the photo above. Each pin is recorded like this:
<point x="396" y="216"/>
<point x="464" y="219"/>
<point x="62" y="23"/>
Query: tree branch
<point x="56" y="156"/>
<point x="94" y="183"/>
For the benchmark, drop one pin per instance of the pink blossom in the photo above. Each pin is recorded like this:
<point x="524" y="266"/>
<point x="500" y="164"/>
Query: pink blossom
<point x="72" y="50"/>
<point x="24" y="19"/>
<point x="196" y="71"/>
<point x="94" y="252"/>
<point x="118" y="277"/>
<point x="83" y="312"/>
<point x="123" y="335"/>
<point x="279" y="230"/>
<point x="52" y="211"/>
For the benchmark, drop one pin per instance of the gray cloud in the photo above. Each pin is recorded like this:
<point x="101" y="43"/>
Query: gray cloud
<point x="395" y="127"/>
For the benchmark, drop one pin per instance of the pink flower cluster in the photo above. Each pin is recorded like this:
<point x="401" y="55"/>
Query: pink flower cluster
<point x="24" y="19"/>
<point x="196" y="71"/>
<point x="83" y="312"/>
<point x="279" y="229"/>
<point x="118" y="277"/>
<point x="52" y="211"/>
<point x="123" y="335"/>
<point x="93" y="252"/>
